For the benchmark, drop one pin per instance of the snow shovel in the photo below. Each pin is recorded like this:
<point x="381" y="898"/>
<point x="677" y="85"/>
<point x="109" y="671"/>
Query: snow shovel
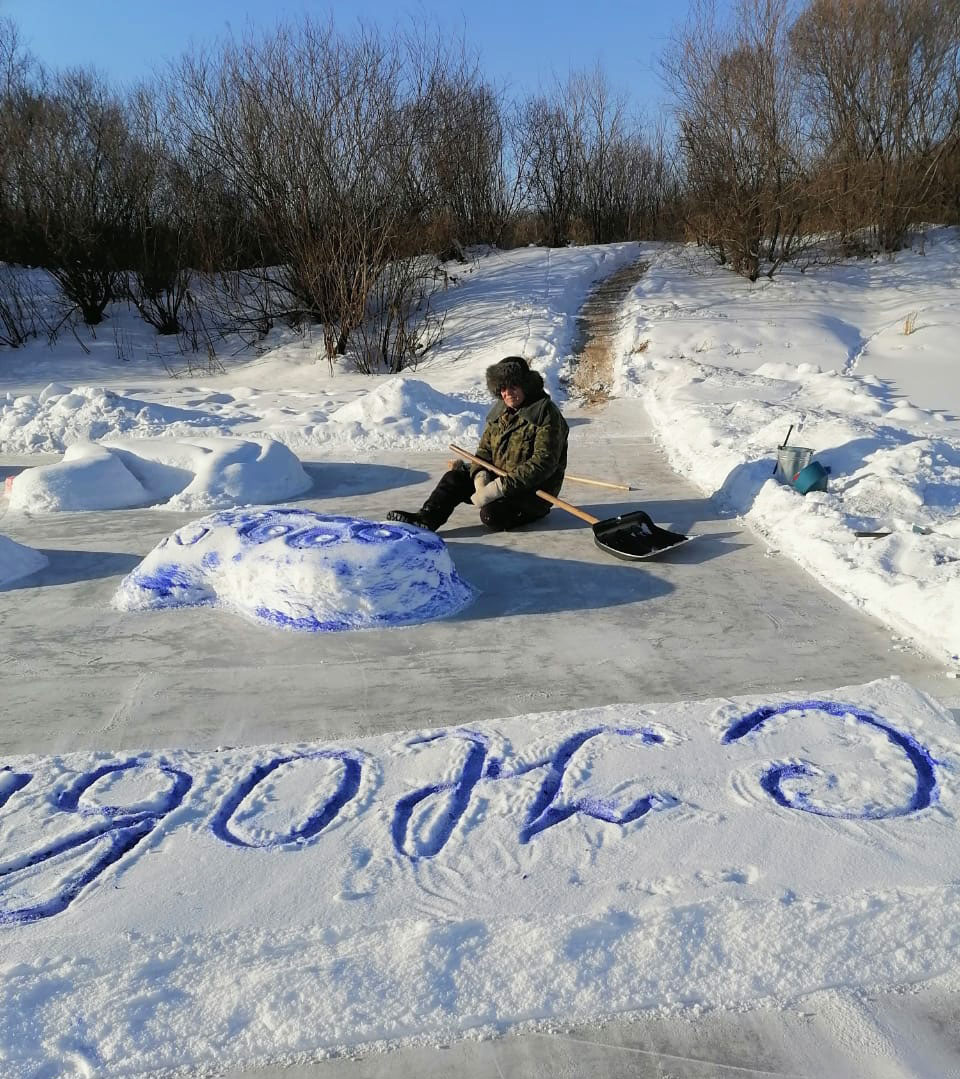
<point x="630" y="536"/>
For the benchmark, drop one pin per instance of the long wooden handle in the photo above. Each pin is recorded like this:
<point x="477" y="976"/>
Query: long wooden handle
<point x="582" y="514"/>
<point x="583" y="479"/>
<point x="599" y="483"/>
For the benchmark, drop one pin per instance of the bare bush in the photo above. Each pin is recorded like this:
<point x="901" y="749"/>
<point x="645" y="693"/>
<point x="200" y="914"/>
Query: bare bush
<point x="21" y="307"/>
<point x="400" y="324"/>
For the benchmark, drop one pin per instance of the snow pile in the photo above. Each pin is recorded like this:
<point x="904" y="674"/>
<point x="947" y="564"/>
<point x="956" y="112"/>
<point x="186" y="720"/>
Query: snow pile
<point x="406" y="408"/>
<point x="188" y="475"/>
<point x="17" y="561"/>
<point x="186" y="909"/>
<point x="59" y="416"/>
<point x="300" y="570"/>
<point x="723" y="406"/>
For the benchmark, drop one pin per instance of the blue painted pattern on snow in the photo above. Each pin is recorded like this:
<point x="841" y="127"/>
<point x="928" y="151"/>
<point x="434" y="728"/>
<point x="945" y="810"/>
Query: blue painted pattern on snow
<point x="301" y="570"/>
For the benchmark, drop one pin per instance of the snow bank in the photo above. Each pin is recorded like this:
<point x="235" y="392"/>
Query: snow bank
<point x="59" y="416"/>
<point x="300" y="570"/>
<point x="182" y="474"/>
<point x="273" y="903"/>
<point x="17" y="561"/>
<point x="722" y="407"/>
<point x="407" y="408"/>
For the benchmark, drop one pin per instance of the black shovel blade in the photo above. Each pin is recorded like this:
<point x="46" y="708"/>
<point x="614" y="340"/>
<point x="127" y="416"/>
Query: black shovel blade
<point x="634" y="536"/>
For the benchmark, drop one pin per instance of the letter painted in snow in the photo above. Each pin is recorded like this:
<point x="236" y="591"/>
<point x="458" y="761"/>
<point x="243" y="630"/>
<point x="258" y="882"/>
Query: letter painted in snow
<point x="347" y="786"/>
<point x="113" y="832"/>
<point x="545" y="811"/>
<point x="458" y="791"/>
<point x="919" y="758"/>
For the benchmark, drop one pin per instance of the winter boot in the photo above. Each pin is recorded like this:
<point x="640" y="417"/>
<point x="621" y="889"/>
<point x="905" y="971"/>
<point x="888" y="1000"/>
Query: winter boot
<point x="421" y="519"/>
<point x="455" y="487"/>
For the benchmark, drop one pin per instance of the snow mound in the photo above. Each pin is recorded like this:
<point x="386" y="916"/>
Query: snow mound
<point x="59" y="416"/>
<point x="412" y="408"/>
<point x="300" y="570"/>
<point x="181" y="474"/>
<point x="17" y="561"/>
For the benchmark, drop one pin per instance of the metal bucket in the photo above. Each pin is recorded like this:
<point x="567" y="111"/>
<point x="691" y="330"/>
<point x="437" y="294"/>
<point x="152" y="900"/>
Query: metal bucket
<point x="790" y="461"/>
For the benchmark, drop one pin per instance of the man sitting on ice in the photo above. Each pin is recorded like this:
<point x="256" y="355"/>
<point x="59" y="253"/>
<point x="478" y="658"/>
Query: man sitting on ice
<point x="525" y="436"/>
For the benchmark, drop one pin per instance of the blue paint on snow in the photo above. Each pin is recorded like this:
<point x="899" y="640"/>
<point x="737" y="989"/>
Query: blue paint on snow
<point x="347" y="787"/>
<point x="544" y="813"/>
<point x="923" y="764"/>
<point x="390" y="574"/>
<point x="110" y="838"/>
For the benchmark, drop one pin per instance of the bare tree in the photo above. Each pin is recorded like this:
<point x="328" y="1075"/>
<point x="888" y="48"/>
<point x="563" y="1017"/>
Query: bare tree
<point x="465" y="181"/>
<point x="316" y="135"/>
<point x="164" y="223"/>
<point x="605" y="155"/>
<point x="550" y="140"/>
<point x="880" y="79"/>
<point x="70" y="172"/>
<point x="21" y="314"/>
<point x="740" y="135"/>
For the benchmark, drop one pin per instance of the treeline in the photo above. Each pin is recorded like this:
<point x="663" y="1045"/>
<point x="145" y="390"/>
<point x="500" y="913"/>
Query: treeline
<point x="839" y="123"/>
<point x="317" y="177"/>
<point x="308" y="176"/>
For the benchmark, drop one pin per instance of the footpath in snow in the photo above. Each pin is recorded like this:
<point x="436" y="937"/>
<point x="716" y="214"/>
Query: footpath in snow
<point x="282" y="902"/>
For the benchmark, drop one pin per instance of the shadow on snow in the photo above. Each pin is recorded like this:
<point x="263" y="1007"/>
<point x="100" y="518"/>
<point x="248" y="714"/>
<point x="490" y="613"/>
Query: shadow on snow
<point x="512" y="582"/>
<point x="71" y="567"/>
<point x="342" y="479"/>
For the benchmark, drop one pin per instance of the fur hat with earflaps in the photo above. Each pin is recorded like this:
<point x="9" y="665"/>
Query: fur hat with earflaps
<point x="514" y="371"/>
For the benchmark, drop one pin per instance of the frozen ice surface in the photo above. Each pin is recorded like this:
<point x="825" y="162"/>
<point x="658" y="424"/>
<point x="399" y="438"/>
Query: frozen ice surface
<point x="297" y="569"/>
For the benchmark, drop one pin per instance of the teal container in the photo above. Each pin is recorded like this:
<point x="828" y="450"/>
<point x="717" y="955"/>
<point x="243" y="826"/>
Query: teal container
<point x="812" y="478"/>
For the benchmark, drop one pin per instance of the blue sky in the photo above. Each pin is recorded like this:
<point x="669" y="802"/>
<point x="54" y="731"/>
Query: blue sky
<point x="521" y="42"/>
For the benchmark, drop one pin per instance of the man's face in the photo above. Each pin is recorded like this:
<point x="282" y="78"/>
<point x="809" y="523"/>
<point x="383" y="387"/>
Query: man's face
<point x="512" y="396"/>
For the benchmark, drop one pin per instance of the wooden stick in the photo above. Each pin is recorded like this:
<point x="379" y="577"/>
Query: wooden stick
<point x="582" y="514"/>
<point x="581" y="479"/>
<point x="600" y="483"/>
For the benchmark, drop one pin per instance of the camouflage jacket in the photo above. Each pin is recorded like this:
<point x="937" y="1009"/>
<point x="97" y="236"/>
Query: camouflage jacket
<point x="530" y="445"/>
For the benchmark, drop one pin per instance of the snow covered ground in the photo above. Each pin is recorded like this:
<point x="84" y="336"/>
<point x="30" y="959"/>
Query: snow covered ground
<point x="273" y="902"/>
<point x="179" y="908"/>
<point x="725" y="368"/>
<point x="516" y="302"/>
